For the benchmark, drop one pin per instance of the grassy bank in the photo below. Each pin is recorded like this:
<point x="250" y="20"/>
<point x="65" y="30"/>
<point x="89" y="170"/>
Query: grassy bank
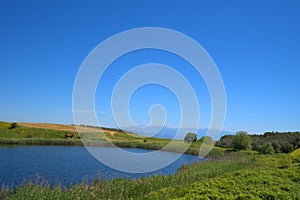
<point x="239" y="176"/>
<point x="55" y="134"/>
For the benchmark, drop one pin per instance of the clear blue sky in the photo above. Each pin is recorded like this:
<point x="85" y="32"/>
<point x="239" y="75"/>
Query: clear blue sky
<point x="255" y="45"/>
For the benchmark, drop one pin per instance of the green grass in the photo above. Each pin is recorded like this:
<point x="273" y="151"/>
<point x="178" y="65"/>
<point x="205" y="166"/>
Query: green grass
<point x="272" y="177"/>
<point x="239" y="176"/>
<point x="296" y="155"/>
<point x="21" y="132"/>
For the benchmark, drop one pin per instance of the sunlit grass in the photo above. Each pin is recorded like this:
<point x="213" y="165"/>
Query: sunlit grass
<point x="296" y="155"/>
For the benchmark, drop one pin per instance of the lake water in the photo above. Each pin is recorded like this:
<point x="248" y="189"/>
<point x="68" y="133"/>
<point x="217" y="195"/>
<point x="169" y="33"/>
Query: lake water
<point x="68" y="165"/>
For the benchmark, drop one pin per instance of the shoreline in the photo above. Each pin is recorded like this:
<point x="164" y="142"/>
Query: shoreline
<point x="214" y="153"/>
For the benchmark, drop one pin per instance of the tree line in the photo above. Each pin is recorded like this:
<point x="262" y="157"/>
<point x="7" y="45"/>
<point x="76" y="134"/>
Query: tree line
<point x="269" y="142"/>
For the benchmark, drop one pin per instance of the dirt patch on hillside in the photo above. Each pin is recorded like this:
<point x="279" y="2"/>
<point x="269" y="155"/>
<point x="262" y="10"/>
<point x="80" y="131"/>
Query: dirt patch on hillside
<point x="61" y="127"/>
<point x="110" y="132"/>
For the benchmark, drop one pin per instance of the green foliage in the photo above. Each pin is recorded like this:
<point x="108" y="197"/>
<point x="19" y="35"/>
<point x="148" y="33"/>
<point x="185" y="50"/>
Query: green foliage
<point x="286" y="147"/>
<point x="277" y="147"/>
<point x="296" y="155"/>
<point x="246" y="184"/>
<point x="298" y="145"/>
<point x="266" y="148"/>
<point x="13" y="125"/>
<point x="285" y="161"/>
<point x="206" y="140"/>
<point x="284" y="142"/>
<point x="225" y="141"/>
<point x="190" y="137"/>
<point x="241" y="141"/>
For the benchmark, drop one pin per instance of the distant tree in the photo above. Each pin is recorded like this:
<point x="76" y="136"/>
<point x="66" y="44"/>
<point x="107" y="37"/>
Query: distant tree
<point x="241" y="141"/>
<point x="13" y="125"/>
<point x="277" y="147"/>
<point x="266" y="148"/>
<point x="190" y="137"/>
<point x="206" y="140"/>
<point x="225" y="141"/>
<point x="298" y="145"/>
<point x="286" y="147"/>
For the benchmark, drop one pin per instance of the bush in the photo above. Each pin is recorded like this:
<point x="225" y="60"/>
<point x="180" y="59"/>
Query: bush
<point x="190" y="137"/>
<point x="13" y="125"/>
<point x="266" y="148"/>
<point x="206" y="140"/>
<point x="286" y="147"/>
<point x="277" y="147"/>
<point x="285" y="161"/>
<point x="225" y="141"/>
<point x="241" y="141"/>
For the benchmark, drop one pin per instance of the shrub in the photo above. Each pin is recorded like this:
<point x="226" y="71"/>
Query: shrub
<point x="266" y="148"/>
<point x="286" y="147"/>
<point x="277" y="147"/>
<point x="206" y="140"/>
<point x="190" y="137"/>
<point x="225" y="141"/>
<point x="285" y="161"/>
<point x="241" y="141"/>
<point x="13" y="125"/>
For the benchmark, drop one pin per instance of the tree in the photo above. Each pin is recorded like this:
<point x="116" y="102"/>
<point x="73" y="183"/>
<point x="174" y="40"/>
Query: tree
<point x="241" y="141"/>
<point x="190" y="137"/>
<point x="13" y="125"/>
<point x="225" y="141"/>
<point x="266" y="148"/>
<point x="206" y="140"/>
<point x="298" y="145"/>
<point x="277" y="147"/>
<point x="286" y="147"/>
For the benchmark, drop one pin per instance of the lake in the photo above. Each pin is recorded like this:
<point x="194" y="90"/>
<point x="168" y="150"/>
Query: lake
<point x="69" y="165"/>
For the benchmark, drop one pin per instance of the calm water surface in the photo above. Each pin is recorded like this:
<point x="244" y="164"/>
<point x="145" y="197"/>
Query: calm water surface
<point x="67" y="165"/>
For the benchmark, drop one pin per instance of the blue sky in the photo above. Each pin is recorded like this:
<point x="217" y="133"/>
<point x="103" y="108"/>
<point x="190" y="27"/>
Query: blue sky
<point x="255" y="45"/>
